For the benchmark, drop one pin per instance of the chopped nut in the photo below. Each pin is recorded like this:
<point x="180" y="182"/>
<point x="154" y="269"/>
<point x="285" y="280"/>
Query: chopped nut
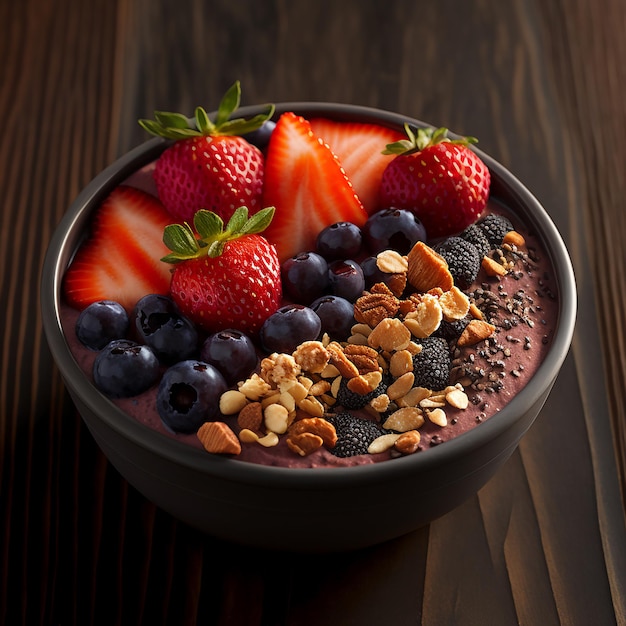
<point x="288" y="401"/>
<point x="408" y="442"/>
<point x="232" y="401"/>
<point x="361" y="329"/>
<point x="330" y="371"/>
<point x="493" y="268"/>
<point x="438" y="417"/>
<point x="251" y="417"/>
<point x="254" y="388"/>
<point x="319" y="388"/>
<point x="432" y="403"/>
<point x="454" y="304"/>
<point x="380" y="403"/>
<point x="414" y="396"/>
<point x="457" y="398"/>
<point x="339" y="359"/>
<point x="299" y="390"/>
<point x="311" y="356"/>
<point x="383" y="443"/>
<point x="276" y="418"/>
<point x="372" y="308"/>
<point x="401" y="386"/>
<point x="397" y="283"/>
<point x="364" y="357"/>
<point x="279" y="368"/>
<point x="218" y="438"/>
<point x="390" y="335"/>
<point x="514" y="238"/>
<point x="365" y="383"/>
<point x="427" y="269"/>
<point x="400" y="363"/>
<point x="425" y="319"/>
<point x="269" y="441"/>
<point x="248" y="436"/>
<point x="304" y="443"/>
<point x="407" y="418"/>
<point x="316" y="426"/>
<point x="475" y="312"/>
<point x="312" y="406"/>
<point x="475" y="332"/>
<point x="391" y="262"/>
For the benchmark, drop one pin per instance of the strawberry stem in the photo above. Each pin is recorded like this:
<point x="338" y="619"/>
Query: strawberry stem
<point x="176" y="126"/>
<point x="210" y="236"/>
<point x="421" y="138"/>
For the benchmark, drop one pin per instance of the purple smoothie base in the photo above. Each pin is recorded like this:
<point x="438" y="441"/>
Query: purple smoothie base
<point x="527" y="345"/>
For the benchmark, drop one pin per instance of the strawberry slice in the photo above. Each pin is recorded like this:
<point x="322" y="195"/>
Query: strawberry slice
<point x="307" y="185"/>
<point x="359" y="147"/>
<point x="121" y="260"/>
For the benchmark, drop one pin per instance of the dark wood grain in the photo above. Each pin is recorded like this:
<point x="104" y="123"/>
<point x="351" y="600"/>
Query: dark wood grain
<point x="542" y="84"/>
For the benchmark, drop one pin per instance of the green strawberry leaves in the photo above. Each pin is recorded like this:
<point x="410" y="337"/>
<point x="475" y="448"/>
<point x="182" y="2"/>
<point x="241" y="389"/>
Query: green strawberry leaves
<point x="421" y="138"/>
<point x="176" y="126"/>
<point x="209" y="236"/>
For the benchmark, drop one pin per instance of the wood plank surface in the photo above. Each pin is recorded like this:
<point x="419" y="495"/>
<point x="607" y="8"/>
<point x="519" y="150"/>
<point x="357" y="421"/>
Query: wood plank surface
<point x="542" y="83"/>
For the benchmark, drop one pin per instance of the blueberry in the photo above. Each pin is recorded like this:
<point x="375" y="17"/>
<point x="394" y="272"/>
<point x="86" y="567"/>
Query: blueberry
<point x="290" y="326"/>
<point x="337" y="316"/>
<point x="189" y="395"/>
<point x="393" y="229"/>
<point x="100" y="323"/>
<point x="261" y="136"/>
<point x="305" y="277"/>
<point x="124" y="368"/>
<point x="159" y="324"/>
<point x="346" y="279"/>
<point x="232" y="353"/>
<point x="341" y="240"/>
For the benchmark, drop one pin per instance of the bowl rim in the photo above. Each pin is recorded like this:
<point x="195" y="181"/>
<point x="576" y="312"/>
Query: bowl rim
<point x="64" y="243"/>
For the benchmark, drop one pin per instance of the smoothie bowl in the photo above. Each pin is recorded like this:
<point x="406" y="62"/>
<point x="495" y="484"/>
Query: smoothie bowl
<point x="348" y="405"/>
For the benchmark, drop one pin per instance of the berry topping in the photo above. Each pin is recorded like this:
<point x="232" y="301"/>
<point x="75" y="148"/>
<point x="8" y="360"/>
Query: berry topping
<point x="341" y="240"/>
<point x="189" y="394"/>
<point x="290" y="326"/>
<point x="127" y="232"/>
<point x="336" y="315"/>
<point x="124" y="369"/>
<point x="354" y="434"/>
<point x="353" y="401"/>
<point x="231" y="352"/>
<point x="495" y="227"/>
<point x="441" y="180"/>
<point x="210" y="166"/>
<point x="462" y="258"/>
<point x="394" y="229"/>
<point x="431" y="366"/>
<point x="476" y="236"/>
<point x="224" y="277"/>
<point x="100" y="323"/>
<point x="304" y="180"/>
<point x="159" y="324"/>
<point x="359" y="149"/>
<point x="346" y="279"/>
<point x="305" y="277"/>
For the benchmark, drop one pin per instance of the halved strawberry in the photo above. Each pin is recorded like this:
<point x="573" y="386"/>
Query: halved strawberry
<point x="121" y="259"/>
<point x="307" y="185"/>
<point x="359" y="147"/>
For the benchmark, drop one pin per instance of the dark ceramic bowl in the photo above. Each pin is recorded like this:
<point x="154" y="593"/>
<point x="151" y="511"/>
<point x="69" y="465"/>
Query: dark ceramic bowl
<point x="303" y="509"/>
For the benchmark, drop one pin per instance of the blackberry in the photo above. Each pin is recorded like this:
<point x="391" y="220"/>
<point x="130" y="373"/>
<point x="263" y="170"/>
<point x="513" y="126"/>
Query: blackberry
<point x="462" y="258"/>
<point x="451" y="331"/>
<point x="354" y="434"/>
<point x="354" y="401"/>
<point x="477" y="237"/>
<point x="432" y="365"/>
<point x="495" y="227"/>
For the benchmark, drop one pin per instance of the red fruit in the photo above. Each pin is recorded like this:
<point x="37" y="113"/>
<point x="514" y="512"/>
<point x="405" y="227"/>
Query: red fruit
<point x="120" y="261"/>
<point x="225" y="278"/>
<point x="359" y="147"/>
<point x="443" y="182"/>
<point x="209" y="166"/>
<point x="307" y="185"/>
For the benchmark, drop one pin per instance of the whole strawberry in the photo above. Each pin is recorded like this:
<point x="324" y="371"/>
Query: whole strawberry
<point x="210" y="166"/>
<point x="224" y="277"/>
<point x="439" y="179"/>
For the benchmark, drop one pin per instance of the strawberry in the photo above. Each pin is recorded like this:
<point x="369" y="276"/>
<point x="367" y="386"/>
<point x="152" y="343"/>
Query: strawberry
<point x="224" y="277"/>
<point x="358" y="147"/>
<point x="441" y="180"/>
<point x="120" y="261"/>
<point x="306" y="184"/>
<point x="210" y="166"/>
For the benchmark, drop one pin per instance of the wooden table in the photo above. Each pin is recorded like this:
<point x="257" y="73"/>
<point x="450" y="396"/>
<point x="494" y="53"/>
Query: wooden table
<point x="542" y="83"/>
